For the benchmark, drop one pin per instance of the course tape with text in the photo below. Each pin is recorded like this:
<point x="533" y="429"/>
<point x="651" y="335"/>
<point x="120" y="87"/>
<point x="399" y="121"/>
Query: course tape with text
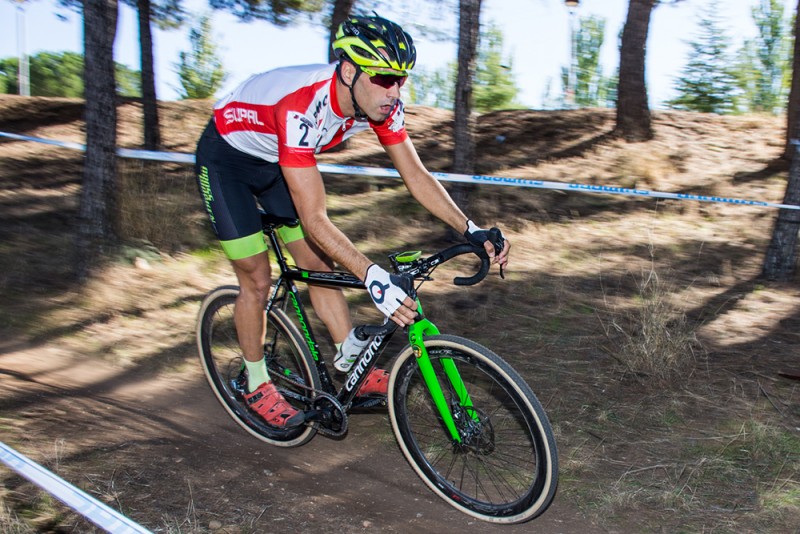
<point x="178" y="157"/>
<point x="86" y="505"/>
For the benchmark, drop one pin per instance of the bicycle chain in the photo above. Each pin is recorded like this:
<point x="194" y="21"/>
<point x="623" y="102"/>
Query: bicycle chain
<point x="316" y="391"/>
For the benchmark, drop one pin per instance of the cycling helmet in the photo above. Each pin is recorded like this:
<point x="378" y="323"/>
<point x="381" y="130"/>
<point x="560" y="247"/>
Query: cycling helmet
<point x="365" y="40"/>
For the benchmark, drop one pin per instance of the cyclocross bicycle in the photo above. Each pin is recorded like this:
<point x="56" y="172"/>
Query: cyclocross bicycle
<point x="465" y="420"/>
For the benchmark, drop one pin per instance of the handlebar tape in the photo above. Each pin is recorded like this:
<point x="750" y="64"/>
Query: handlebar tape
<point x="498" y="241"/>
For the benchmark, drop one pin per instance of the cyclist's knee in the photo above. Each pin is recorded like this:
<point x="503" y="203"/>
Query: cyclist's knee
<point x="257" y="289"/>
<point x="254" y="276"/>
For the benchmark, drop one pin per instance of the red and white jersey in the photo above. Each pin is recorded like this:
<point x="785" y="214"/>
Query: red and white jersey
<point x="287" y="115"/>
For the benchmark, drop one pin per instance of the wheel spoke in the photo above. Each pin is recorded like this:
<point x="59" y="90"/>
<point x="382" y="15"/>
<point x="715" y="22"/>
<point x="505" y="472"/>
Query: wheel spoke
<point x="287" y="361"/>
<point x="499" y="468"/>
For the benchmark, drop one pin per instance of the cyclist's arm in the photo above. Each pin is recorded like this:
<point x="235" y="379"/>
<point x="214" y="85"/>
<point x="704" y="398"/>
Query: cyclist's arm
<point x="424" y="187"/>
<point x="308" y="194"/>
<point x="431" y="194"/>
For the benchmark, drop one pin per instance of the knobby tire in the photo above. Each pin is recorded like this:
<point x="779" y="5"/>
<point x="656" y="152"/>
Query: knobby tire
<point x="505" y="469"/>
<point x="289" y="362"/>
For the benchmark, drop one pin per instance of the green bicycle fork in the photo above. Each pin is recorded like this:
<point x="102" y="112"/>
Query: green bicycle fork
<point x="416" y="336"/>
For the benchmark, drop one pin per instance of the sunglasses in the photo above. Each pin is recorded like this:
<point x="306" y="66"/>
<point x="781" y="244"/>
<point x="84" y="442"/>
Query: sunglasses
<point x="384" y="80"/>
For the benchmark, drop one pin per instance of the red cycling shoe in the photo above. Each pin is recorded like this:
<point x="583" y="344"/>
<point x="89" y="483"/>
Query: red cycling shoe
<point x="376" y="383"/>
<point x="268" y="402"/>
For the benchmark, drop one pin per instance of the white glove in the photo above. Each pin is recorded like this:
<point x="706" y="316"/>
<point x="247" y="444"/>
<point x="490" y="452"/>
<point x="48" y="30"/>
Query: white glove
<point x="476" y="235"/>
<point x="384" y="290"/>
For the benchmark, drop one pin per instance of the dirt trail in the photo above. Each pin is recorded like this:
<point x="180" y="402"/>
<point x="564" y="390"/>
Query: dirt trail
<point x="165" y="441"/>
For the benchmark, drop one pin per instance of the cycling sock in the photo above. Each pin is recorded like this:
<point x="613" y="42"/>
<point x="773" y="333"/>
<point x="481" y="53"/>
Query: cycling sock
<point x="338" y="346"/>
<point x="256" y="374"/>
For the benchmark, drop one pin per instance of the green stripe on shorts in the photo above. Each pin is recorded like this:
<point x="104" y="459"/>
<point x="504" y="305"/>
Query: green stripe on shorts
<point x="244" y="247"/>
<point x="289" y="234"/>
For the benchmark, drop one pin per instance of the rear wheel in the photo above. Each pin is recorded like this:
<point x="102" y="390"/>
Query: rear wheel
<point x="503" y="468"/>
<point x="290" y="365"/>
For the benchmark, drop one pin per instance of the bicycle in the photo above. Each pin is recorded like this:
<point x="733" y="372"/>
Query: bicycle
<point x="465" y="420"/>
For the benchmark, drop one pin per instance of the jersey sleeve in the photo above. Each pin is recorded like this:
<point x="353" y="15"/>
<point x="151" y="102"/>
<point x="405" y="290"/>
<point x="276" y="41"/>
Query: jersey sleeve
<point x="297" y="139"/>
<point x="393" y="130"/>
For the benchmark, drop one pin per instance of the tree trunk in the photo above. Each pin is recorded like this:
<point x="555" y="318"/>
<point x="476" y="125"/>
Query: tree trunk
<point x="781" y="256"/>
<point x="97" y="202"/>
<point x="464" y="154"/>
<point x="633" y="112"/>
<point x="793" y="112"/>
<point x="341" y="10"/>
<point x="152" y="133"/>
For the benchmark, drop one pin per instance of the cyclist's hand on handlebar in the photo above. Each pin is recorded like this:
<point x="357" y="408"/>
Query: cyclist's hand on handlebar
<point x="389" y="295"/>
<point x="496" y="245"/>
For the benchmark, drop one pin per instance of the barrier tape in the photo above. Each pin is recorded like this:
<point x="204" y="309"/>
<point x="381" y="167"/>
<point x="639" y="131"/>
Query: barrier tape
<point x="86" y="505"/>
<point x="180" y="157"/>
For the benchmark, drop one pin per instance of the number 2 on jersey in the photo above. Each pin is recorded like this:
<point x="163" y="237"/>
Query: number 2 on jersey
<point x="300" y="131"/>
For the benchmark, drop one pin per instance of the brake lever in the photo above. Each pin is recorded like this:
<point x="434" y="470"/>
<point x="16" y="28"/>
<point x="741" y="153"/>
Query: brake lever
<point x="498" y="242"/>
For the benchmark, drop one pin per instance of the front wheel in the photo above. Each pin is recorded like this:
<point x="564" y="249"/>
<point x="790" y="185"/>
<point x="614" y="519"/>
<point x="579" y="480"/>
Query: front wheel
<point x="289" y="363"/>
<point x="503" y="466"/>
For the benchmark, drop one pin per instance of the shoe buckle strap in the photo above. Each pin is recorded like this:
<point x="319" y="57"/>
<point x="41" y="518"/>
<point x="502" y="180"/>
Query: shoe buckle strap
<point x="255" y="398"/>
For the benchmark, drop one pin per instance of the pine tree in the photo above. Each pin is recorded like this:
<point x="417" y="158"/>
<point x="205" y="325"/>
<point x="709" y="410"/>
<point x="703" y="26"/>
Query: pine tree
<point x="633" y="121"/>
<point x="200" y="71"/>
<point x="763" y="68"/>
<point x="707" y="84"/>
<point x="494" y="78"/>
<point x="494" y="86"/>
<point x="97" y="212"/>
<point x="591" y="87"/>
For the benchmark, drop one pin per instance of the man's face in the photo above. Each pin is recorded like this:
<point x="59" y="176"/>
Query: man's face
<point x="377" y="92"/>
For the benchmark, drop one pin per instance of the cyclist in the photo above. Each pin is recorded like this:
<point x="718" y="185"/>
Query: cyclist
<point x="261" y="143"/>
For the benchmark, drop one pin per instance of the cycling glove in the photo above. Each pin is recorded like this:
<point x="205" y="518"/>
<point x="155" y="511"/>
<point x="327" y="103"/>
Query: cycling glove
<point x="384" y="289"/>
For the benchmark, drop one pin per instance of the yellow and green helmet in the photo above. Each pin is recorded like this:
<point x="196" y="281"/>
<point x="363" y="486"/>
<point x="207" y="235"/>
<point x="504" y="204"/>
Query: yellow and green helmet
<point x="375" y="43"/>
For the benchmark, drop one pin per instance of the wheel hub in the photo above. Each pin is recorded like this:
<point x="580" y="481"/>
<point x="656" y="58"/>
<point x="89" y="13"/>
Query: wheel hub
<point x="476" y="431"/>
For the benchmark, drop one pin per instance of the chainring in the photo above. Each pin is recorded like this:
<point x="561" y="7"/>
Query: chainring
<point x="334" y="421"/>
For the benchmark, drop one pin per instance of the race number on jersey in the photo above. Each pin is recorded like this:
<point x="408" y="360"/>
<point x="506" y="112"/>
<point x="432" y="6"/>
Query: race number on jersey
<point x="300" y="131"/>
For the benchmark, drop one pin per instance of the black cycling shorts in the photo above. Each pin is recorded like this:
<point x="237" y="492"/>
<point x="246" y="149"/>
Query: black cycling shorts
<point x="230" y="181"/>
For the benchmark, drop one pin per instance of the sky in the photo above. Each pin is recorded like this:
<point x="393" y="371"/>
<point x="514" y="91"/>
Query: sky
<point x="536" y="38"/>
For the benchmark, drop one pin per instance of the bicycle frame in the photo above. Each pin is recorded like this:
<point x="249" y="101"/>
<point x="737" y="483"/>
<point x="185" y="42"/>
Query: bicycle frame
<point x="285" y="291"/>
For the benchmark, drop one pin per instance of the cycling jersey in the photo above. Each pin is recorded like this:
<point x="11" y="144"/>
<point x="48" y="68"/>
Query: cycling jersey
<point x="288" y="115"/>
<point x="277" y="118"/>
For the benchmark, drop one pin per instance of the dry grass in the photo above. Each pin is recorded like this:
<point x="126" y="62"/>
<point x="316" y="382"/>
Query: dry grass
<point x="159" y="206"/>
<point x="10" y="523"/>
<point x="28" y="509"/>
<point x="638" y="167"/>
<point x="649" y="336"/>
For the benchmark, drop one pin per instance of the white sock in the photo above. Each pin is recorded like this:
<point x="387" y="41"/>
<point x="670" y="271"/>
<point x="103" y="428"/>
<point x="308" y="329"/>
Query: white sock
<point x="256" y="374"/>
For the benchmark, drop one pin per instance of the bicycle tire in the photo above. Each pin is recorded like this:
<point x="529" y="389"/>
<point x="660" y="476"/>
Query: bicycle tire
<point x="505" y="470"/>
<point x="289" y="362"/>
